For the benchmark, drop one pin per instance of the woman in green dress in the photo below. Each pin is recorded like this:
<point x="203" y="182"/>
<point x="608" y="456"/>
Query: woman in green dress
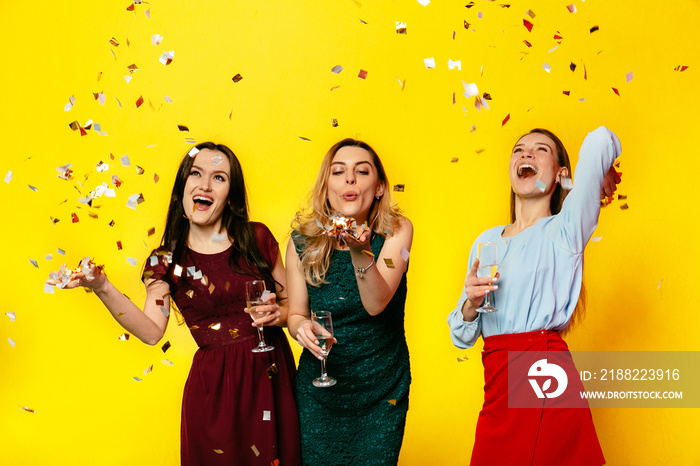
<point x="359" y="275"/>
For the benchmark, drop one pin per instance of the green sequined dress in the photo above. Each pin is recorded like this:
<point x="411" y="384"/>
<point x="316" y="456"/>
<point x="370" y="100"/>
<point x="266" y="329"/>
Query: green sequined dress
<point x="361" y="419"/>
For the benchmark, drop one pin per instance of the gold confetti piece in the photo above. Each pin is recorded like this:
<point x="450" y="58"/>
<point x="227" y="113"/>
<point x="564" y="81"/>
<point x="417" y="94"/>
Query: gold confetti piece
<point x="334" y="122"/>
<point x="454" y="160"/>
<point x="237" y="78"/>
<point x="255" y="450"/>
<point x="531" y="14"/>
<point x="114" y="42"/>
<point x="190" y="293"/>
<point x="479" y="151"/>
<point x="183" y="128"/>
<point x="234" y="332"/>
<point x="594" y="29"/>
<point x="151" y="231"/>
<point x="148" y="274"/>
<point x="400" y="27"/>
<point x="219" y="451"/>
<point x="211" y="288"/>
<point x="399" y="188"/>
<point x="29" y="410"/>
<point x="124" y="337"/>
<point x="132" y="68"/>
<point x="148" y="370"/>
<point x="466" y="24"/>
<point x="389" y="263"/>
<point x="334" y="88"/>
<point x="392" y="402"/>
<point x="368" y="253"/>
<point x="462" y="358"/>
<point x="304" y="139"/>
<point x="165" y="346"/>
<point x="624" y="206"/>
<point x="121" y="314"/>
<point x="215" y="326"/>
<point x="167" y="57"/>
<point x="272" y="370"/>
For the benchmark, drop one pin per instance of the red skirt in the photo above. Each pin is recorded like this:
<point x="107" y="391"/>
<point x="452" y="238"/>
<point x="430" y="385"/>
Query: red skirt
<point x="544" y="433"/>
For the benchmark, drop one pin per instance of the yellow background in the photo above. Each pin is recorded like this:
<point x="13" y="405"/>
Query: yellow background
<point x="68" y="363"/>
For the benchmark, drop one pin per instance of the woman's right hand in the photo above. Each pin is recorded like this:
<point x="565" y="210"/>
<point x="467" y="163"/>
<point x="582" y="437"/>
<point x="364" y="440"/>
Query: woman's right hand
<point x="306" y="337"/>
<point x="477" y="287"/>
<point x="93" y="278"/>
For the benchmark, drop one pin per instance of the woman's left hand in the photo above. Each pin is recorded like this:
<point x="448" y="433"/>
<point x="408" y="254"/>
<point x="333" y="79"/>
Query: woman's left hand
<point x="610" y="182"/>
<point x="360" y="242"/>
<point x="272" y="310"/>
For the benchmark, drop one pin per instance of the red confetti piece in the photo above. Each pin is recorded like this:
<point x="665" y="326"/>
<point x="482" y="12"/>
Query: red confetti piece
<point x="119" y="244"/>
<point x="527" y="43"/>
<point x="155" y="178"/>
<point x="585" y="73"/>
<point x="139" y="101"/>
<point x="151" y="231"/>
<point x="616" y="91"/>
<point x="466" y="25"/>
<point x="680" y="68"/>
<point x="130" y="7"/>
<point x="74" y="217"/>
<point x="160" y="302"/>
<point x="528" y="25"/>
<point x="566" y="92"/>
<point x="505" y="120"/>
<point x="362" y="74"/>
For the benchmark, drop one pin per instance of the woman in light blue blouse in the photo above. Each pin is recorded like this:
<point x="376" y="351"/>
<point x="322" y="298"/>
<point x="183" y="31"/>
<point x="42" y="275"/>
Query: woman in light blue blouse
<point x="537" y="292"/>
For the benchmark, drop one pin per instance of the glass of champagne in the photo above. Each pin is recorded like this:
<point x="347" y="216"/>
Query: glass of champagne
<point x="256" y="295"/>
<point x="323" y="330"/>
<point x="488" y="266"/>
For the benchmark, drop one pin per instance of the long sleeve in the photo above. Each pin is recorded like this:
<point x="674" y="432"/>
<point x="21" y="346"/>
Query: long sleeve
<point x="464" y="334"/>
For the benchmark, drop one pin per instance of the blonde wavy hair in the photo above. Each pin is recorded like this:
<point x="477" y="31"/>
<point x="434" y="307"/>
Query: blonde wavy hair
<point x="383" y="219"/>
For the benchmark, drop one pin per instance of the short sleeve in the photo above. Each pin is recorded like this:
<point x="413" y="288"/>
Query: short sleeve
<point x="156" y="267"/>
<point x="267" y="243"/>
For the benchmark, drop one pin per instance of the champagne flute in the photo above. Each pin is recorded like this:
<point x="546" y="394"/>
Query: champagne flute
<point x="323" y="330"/>
<point x="488" y="266"/>
<point x="256" y="295"/>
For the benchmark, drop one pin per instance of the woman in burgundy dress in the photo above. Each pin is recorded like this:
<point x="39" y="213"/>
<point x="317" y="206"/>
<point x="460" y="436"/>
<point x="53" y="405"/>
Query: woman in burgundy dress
<point x="238" y="406"/>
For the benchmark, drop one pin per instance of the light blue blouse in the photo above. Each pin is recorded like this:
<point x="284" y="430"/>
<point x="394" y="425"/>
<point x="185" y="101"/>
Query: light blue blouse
<point x="542" y="266"/>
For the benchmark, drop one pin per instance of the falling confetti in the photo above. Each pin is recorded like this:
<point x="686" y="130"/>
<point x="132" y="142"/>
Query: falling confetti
<point x="389" y="263"/>
<point x="399" y="188"/>
<point x="547" y="68"/>
<point x="462" y="358"/>
<point x="540" y="185"/>
<point x="616" y="91"/>
<point x="139" y="101"/>
<point x="528" y="25"/>
<point x="505" y="120"/>
<point x="165" y="346"/>
<point x="571" y="8"/>
<point x="629" y="76"/>
<point x="362" y="74"/>
<point x="255" y="450"/>
<point x="454" y="65"/>
<point x="237" y="78"/>
<point x="392" y="402"/>
<point x="594" y="29"/>
<point x="167" y="57"/>
<point x="680" y="68"/>
<point x="11" y="315"/>
<point x="156" y="39"/>
<point x="429" y="63"/>
<point x="337" y="69"/>
<point x="234" y="333"/>
<point x="124" y="337"/>
<point x="400" y="27"/>
<point x="12" y="342"/>
<point x="8" y="177"/>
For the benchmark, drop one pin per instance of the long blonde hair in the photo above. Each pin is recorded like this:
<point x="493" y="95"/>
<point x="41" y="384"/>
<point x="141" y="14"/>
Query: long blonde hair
<point x="555" y="206"/>
<point x="317" y="247"/>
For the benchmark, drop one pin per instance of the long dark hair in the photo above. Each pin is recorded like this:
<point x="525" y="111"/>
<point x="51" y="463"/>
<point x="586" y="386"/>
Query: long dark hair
<point x="234" y="219"/>
<point x="555" y="205"/>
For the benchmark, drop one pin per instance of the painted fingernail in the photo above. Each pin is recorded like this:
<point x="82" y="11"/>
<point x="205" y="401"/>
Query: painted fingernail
<point x="495" y="287"/>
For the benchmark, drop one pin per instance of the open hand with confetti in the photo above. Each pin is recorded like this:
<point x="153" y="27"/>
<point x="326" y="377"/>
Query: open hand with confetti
<point x="87" y="274"/>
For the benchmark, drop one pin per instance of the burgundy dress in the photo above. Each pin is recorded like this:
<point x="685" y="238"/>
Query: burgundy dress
<point x="238" y="406"/>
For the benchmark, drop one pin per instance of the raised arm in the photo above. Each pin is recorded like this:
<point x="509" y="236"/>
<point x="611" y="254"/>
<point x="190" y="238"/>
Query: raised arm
<point x="594" y="174"/>
<point x="379" y="282"/>
<point x="149" y="325"/>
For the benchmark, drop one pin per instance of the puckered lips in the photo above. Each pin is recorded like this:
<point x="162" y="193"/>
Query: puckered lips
<point x="350" y="196"/>
<point x="527" y="170"/>
<point x="202" y="201"/>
